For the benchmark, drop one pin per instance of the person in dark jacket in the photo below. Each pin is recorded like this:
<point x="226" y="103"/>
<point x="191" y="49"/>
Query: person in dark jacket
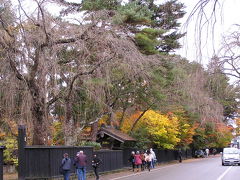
<point x="131" y="160"/>
<point x="66" y="166"/>
<point x="180" y="155"/>
<point x="95" y="164"/>
<point x="81" y="163"/>
<point x="214" y="151"/>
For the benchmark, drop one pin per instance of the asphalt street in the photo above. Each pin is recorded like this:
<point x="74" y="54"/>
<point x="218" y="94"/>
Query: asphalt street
<point x="197" y="169"/>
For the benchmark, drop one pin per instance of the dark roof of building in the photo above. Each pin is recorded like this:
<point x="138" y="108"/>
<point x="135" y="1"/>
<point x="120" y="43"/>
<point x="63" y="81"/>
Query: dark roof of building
<point x="116" y="134"/>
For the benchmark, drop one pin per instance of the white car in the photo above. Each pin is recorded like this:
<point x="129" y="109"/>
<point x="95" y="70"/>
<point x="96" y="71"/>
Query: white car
<point x="230" y="156"/>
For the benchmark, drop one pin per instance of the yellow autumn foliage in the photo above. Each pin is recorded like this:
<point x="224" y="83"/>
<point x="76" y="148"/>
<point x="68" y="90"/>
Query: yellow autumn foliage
<point x="186" y="134"/>
<point x="103" y="120"/>
<point x="162" y="129"/>
<point x="238" y="126"/>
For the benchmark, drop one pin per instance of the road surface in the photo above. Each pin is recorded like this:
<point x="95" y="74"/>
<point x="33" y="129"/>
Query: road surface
<point x="196" y="169"/>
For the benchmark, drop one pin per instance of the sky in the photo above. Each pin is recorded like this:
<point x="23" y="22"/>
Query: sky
<point x="227" y="14"/>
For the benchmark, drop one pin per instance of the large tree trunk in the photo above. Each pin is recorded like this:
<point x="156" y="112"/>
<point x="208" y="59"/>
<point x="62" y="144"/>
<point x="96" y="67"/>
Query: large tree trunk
<point x="39" y="114"/>
<point x="111" y="117"/>
<point x="94" y="128"/>
<point x="39" y="131"/>
<point x="122" y="118"/>
<point x="70" y="138"/>
<point x="136" y="121"/>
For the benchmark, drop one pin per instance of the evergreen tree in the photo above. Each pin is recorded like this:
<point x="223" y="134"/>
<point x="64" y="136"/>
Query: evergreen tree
<point x="161" y="20"/>
<point x="154" y="26"/>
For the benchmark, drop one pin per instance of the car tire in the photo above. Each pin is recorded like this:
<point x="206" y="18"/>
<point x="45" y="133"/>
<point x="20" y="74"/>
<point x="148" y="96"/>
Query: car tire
<point x="223" y="164"/>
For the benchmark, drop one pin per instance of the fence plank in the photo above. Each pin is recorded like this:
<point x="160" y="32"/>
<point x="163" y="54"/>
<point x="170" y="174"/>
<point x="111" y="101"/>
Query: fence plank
<point x="111" y="159"/>
<point x="21" y="152"/>
<point x="1" y="162"/>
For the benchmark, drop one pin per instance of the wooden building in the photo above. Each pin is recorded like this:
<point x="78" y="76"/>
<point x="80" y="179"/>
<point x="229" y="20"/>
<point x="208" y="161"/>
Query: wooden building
<point x="111" y="138"/>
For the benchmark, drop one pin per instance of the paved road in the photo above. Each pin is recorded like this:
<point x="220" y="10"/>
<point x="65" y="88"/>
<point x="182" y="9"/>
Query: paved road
<point x="196" y="169"/>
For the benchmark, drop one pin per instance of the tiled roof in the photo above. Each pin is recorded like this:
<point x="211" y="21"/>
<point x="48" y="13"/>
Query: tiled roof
<point x="116" y="134"/>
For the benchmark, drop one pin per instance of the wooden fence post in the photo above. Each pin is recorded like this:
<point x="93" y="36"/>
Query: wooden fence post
<point x="21" y="152"/>
<point x="1" y="161"/>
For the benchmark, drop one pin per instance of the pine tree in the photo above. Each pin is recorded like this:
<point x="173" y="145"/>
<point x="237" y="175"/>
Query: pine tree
<point x="154" y="26"/>
<point x="160" y="20"/>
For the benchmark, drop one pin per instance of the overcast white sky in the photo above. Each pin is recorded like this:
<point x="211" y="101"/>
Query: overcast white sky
<point x="227" y="14"/>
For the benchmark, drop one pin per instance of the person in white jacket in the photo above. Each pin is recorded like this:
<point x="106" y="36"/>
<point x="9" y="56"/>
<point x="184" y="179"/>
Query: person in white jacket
<point x="148" y="159"/>
<point x="207" y="152"/>
<point x="153" y="158"/>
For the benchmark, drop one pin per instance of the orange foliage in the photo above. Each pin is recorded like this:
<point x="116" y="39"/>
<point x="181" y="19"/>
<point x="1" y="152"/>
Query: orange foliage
<point x="186" y="134"/>
<point x="221" y="127"/>
<point x="129" y="121"/>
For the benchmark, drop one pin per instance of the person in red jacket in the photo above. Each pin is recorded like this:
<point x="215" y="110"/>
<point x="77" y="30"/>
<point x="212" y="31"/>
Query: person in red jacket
<point x="137" y="160"/>
<point x="81" y="163"/>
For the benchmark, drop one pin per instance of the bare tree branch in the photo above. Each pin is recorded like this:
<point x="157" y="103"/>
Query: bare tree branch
<point x="86" y="73"/>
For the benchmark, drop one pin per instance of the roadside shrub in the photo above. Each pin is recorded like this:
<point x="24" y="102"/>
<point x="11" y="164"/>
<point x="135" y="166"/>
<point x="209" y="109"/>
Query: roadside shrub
<point x="93" y="144"/>
<point x="10" y="153"/>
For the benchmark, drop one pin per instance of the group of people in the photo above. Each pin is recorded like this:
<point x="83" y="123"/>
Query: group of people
<point x="143" y="160"/>
<point x="80" y="162"/>
<point x="204" y="153"/>
<point x="207" y="152"/>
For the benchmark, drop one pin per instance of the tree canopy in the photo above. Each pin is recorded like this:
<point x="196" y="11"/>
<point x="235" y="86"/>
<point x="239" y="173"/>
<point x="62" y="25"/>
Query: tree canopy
<point x="113" y="64"/>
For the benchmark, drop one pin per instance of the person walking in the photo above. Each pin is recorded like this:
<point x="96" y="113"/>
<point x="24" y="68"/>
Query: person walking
<point x="131" y="160"/>
<point x="81" y="163"/>
<point x="95" y="164"/>
<point x="148" y="159"/>
<point x="214" y="151"/>
<point x="180" y="155"/>
<point x="137" y="160"/>
<point x="153" y="158"/>
<point x="66" y="166"/>
<point x="207" y="152"/>
<point x="142" y="154"/>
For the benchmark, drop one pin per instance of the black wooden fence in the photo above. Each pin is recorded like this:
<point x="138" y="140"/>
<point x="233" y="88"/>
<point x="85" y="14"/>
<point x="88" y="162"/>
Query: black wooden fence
<point x="126" y="155"/>
<point x="111" y="159"/>
<point x="1" y="162"/>
<point x="161" y="155"/>
<point x="42" y="162"/>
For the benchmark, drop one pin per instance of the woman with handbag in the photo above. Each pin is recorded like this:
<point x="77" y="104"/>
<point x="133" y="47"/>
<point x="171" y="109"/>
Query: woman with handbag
<point x="65" y="167"/>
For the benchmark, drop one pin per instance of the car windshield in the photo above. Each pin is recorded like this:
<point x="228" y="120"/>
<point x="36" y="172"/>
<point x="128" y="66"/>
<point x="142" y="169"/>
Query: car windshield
<point x="230" y="151"/>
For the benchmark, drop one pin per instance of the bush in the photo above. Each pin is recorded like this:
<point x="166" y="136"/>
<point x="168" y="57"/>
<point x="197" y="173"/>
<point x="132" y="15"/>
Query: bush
<point x="95" y="145"/>
<point x="10" y="153"/>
